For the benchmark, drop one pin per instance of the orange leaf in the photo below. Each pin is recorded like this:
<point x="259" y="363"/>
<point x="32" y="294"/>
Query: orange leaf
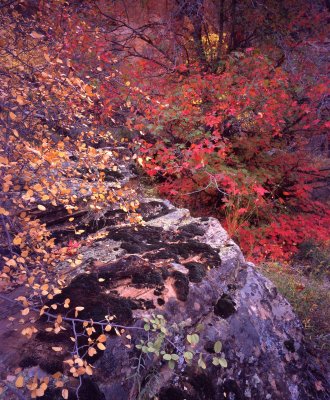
<point x="102" y="338"/>
<point x="101" y="346"/>
<point x="91" y="351"/>
<point x="89" y="370"/>
<point x="19" y="382"/>
<point x="17" y="240"/>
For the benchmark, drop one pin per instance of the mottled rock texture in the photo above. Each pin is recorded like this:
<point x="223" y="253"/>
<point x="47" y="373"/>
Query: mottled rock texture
<point x="188" y="270"/>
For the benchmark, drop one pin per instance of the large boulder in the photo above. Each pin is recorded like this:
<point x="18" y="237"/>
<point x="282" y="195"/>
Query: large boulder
<point x="189" y="271"/>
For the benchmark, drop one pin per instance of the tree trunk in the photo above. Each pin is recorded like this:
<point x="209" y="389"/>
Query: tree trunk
<point x="221" y="19"/>
<point x="232" y="42"/>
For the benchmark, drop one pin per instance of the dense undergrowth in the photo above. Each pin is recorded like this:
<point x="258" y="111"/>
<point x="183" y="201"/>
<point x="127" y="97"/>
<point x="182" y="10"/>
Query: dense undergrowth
<point x="235" y="145"/>
<point x="305" y="284"/>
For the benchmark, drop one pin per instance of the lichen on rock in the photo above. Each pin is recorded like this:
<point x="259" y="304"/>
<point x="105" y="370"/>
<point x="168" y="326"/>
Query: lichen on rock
<point x="188" y="270"/>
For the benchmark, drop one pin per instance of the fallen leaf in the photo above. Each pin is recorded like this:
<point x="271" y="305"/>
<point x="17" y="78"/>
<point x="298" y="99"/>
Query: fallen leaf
<point x="19" y="382"/>
<point x="57" y="349"/>
<point x="36" y="35"/>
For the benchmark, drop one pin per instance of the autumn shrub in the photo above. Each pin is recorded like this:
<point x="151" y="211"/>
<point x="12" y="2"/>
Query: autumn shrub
<point x="228" y="141"/>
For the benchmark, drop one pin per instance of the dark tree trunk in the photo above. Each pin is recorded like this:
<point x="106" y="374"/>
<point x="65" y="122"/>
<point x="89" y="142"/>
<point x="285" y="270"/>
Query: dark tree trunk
<point x="232" y="42"/>
<point x="221" y="20"/>
<point x="193" y="9"/>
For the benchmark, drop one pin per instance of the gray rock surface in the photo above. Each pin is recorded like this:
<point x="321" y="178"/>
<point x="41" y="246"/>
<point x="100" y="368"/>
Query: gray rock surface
<point x="188" y="270"/>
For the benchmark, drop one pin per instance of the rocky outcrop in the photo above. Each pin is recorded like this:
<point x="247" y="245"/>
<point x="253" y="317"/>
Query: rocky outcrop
<point x="189" y="271"/>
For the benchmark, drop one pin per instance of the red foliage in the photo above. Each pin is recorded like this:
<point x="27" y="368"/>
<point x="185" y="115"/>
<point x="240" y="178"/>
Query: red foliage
<point x="236" y="142"/>
<point x="227" y="141"/>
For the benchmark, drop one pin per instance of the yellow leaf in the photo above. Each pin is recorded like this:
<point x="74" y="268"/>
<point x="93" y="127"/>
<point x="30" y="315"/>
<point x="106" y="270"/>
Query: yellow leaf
<point x="89" y="90"/>
<point x="41" y="207"/>
<point x="19" y="382"/>
<point x="17" y="240"/>
<point x="57" y="349"/>
<point x="25" y="311"/>
<point x="12" y="116"/>
<point x="101" y="346"/>
<point x="20" y="100"/>
<point x="47" y="58"/>
<point x="40" y="392"/>
<point x="79" y="361"/>
<point x="3" y="211"/>
<point x="128" y="83"/>
<point x="38" y="187"/>
<point x="102" y="338"/>
<point x="36" y="35"/>
<point x="4" y="160"/>
<point x="91" y="351"/>
<point x="89" y="370"/>
<point x="32" y="386"/>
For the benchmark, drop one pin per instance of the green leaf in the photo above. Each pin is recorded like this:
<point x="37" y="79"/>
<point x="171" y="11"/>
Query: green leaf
<point x="215" y="361"/>
<point x="171" y="364"/>
<point x="201" y="363"/>
<point x="188" y="355"/>
<point x="175" y="357"/>
<point x="145" y="349"/>
<point x="146" y="327"/>
<point x="217" y="346"/>
<point x="167" y="357"/>
<point x="193" y="339"/>
<point x="223" y="362"/>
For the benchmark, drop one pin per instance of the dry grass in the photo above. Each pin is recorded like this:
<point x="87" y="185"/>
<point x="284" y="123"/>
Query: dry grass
<point x="309" y="296"/>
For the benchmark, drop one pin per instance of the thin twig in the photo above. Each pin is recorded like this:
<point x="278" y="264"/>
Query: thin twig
<point x="14" y="390"/>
